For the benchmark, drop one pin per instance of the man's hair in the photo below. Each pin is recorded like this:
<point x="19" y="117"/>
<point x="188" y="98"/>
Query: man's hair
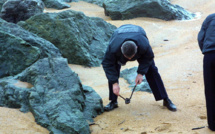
<point x="129" y="48"/>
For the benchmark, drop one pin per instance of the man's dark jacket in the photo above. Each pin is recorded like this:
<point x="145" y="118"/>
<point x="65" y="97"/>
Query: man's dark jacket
<point x="206" y="36"/>
<point x="114" y="56"/>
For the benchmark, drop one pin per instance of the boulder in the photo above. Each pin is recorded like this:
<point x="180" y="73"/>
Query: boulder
<point x="161" y="9"/>
<point x="82" y="40"/>
<point x="18" y="10"/>
<point x="130" y="75"/>
<point x="20" y="49"/>
<point x="58" y="100"/>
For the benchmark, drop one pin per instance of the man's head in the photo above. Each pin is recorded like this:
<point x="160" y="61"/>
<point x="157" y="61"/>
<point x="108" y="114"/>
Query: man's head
<point x="129" y="49"/>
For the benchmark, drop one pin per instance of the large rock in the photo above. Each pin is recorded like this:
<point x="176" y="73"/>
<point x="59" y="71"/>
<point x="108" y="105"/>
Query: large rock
<point x="18" y="10"/>
<point x="20" y="49"/>
<point x="57" y="99"/>
<point x="130" y="75"/>
<point x="82" y="40"/>
<point x="161" y="9"/>
<point x="15" y="54"/>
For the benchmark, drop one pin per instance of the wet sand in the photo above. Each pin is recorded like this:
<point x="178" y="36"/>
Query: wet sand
<point x="179" y="61"/>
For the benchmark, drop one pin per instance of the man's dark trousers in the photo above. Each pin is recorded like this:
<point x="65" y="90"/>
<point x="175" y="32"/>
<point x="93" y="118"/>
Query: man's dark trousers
<point x="209" y="82"/>
<point x="155" y="82"/>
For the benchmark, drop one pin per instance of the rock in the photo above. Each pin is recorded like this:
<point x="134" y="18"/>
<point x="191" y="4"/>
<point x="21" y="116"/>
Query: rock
<point x="93" y="102"/>
<point x="82" y="40"/>
<point x="57" y="99"/>
<point x="130" y="76"/>
<point x="20" y="49"/>
<point x="161" y="9"/>
<point x="19" y="10"/>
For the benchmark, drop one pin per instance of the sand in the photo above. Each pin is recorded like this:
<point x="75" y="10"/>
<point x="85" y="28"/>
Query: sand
<point x="179" y="61"/>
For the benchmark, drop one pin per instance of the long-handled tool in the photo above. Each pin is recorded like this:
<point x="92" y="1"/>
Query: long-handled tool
<point x="128" y="100"/>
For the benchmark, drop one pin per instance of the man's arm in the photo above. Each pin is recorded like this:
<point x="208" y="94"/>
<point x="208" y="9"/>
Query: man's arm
<point x="145" y="61"/>
<point x="201" y="35"/>
<point x="202" y="32"/>
<point x="109" y="66"/>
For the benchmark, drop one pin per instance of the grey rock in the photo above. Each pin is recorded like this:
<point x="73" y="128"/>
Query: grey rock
<point x="161" y="9"/>
<point x="130" y="75"/>
<point x="93" y="102"/>
<point x="18" y="10"/>
<point x="19" y="49"/>
<point x="57" y="100"/>
<point x="82" y="40"/>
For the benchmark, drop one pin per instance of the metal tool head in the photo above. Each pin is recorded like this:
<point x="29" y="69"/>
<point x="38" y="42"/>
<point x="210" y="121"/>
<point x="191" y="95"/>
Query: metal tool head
<point x="127" y="101"/>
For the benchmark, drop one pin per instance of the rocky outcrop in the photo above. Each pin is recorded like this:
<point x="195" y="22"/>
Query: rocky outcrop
<point x="58" y="100"/>
<point x="161" y="9"/>
<point x="19" y="10"/>
<point x="82" y="40"/>
<point x="20" y="49"/>
<point x="130" y="75"/>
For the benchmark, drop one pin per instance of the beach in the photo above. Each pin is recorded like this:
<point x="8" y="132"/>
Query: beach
<point x="179" y="61"/>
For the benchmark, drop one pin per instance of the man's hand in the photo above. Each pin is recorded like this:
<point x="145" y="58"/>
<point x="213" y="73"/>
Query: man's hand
<point x="139" y="79"/>
<point x="116" y="89"/>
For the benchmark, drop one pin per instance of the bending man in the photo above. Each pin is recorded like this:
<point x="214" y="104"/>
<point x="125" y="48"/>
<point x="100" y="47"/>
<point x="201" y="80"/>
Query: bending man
<point x="129" y="43"/>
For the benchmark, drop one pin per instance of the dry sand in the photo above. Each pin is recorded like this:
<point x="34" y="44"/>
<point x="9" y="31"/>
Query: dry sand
<point x="179" y="61"/>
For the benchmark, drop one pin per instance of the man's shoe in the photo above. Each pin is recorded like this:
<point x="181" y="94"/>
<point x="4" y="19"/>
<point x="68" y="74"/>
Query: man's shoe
<point x="112" y="105"/>
<point x="168" y="103"/>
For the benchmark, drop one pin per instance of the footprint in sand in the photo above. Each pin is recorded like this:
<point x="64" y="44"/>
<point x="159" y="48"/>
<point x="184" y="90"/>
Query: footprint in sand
<point x="163" y="127"/>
